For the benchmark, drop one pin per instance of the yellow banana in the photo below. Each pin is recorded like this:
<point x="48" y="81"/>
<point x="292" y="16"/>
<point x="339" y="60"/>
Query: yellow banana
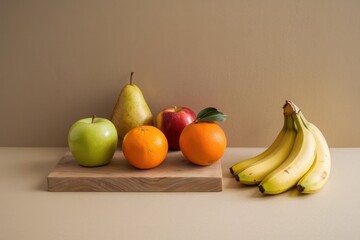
<point x="256" y="172"/>
<point x="297" y="163"/>
<point x="319" y="172"/>
<point x="240" y="166"/>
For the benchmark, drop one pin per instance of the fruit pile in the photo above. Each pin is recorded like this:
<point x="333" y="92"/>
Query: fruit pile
<point x="93" y="141"/>
<point x="299" y="156"/>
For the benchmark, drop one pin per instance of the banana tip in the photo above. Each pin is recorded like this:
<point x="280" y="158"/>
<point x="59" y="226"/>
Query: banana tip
<point x="300" y="188"/>
<point x="231" y="171"/>
<point x="261" y="188"/>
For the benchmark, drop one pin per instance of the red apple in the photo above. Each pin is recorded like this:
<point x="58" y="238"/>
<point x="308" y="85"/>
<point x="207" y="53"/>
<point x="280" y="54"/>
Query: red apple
<point x="171" y="121"/>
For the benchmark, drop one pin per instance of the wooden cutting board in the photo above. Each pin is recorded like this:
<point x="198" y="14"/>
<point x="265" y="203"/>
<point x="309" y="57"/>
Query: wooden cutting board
<point x="175" y="174"/>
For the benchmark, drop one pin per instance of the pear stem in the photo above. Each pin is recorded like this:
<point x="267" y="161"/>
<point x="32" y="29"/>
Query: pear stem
<point x="93" y="118"/>
<point x="131" y="75"/>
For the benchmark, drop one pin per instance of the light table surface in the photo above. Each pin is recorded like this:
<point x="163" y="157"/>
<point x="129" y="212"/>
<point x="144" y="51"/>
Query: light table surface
<point x="29" y="211"/>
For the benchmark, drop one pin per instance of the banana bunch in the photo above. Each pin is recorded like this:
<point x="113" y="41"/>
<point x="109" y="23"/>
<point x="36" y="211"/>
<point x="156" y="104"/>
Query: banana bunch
<point x="299" y="156"/>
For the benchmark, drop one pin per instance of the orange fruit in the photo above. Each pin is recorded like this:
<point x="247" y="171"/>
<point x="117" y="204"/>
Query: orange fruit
<point x="203" y="143"/>
<point x="145" y="147"/>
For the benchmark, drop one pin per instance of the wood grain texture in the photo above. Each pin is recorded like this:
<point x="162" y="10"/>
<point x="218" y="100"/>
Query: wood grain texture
<point x="175" y="174"/>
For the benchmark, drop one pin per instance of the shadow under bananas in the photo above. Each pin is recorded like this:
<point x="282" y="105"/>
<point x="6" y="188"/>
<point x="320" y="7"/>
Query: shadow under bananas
<point x="254" y="192"/>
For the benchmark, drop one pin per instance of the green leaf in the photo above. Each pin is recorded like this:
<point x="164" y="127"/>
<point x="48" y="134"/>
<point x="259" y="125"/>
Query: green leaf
<point x="205" y="112"/>
<point x="210" y="114"/>
<point x="217" y="117"/>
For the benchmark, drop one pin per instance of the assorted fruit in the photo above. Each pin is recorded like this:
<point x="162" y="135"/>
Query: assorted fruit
<point x="145" y="146"/>
<point x="299" y="156"/>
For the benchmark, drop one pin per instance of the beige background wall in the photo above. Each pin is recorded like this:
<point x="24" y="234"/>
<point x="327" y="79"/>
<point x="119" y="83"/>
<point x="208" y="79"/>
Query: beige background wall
<point x="65" y="60"/>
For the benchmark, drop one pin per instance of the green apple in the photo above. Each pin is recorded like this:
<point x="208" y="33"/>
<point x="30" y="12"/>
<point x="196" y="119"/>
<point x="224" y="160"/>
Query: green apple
<point x="93" y="141"/>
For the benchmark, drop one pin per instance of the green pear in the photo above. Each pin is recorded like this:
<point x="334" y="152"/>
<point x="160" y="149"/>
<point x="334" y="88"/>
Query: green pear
<point x="131" y="110"/>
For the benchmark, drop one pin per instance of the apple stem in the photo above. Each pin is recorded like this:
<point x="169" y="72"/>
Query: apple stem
<point x="93" y="118"/>
<point x="131" y="75"/>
